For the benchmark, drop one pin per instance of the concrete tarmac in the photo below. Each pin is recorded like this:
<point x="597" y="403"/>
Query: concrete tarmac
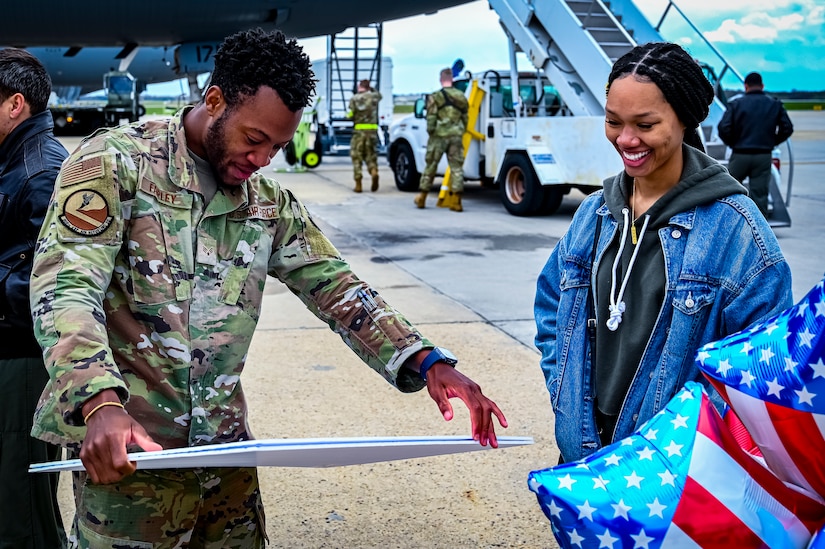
<point x="467" y="280"/>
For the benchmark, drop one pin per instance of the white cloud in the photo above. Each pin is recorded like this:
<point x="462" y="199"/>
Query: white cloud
<point x="732" y="32"/>
<point x="757" y="27"/>
<point x="742" y="29"/>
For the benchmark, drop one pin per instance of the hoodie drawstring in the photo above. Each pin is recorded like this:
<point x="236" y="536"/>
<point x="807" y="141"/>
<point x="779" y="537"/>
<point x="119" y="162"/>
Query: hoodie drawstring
<point x="617" y="306"/>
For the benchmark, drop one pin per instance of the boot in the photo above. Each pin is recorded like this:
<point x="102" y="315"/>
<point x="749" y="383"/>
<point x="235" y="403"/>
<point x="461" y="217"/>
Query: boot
<point x="357" y="185"/>
<point x="455" y="205"/>
<point x="421" y="199"/>
<point x="374" y="174"/>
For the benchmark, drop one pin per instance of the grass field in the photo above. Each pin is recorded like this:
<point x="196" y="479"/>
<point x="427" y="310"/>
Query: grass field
<point x="812" y="105"/>
<point x="161" y="107"/>
<point x="167" y="107"/>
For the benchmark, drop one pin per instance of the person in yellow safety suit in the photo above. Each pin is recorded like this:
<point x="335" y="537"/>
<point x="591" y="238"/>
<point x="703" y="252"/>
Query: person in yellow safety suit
<point x="363" y="109"/>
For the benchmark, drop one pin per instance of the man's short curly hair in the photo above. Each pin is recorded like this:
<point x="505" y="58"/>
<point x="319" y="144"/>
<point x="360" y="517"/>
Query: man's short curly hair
<point x="247" y="60"/>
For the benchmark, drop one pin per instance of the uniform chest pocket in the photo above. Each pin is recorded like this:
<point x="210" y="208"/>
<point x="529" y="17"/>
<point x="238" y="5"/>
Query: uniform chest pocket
<point x="158" y="265"/>
<point x="245" y="274"/>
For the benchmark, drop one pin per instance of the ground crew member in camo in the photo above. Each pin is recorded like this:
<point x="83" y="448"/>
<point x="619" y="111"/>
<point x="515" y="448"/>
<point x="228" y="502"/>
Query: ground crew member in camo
<point x="363" y="109"/>
<point x="146" y="289"/>
<point x="30" y="158"/>
<point x="446" y="124"/>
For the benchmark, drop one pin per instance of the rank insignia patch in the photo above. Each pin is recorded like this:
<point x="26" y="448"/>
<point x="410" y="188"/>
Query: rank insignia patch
<point x="86" y="212"/>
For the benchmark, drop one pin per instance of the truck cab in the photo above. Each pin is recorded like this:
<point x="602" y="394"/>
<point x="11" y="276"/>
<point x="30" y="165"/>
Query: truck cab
<point x="121" y="97"/>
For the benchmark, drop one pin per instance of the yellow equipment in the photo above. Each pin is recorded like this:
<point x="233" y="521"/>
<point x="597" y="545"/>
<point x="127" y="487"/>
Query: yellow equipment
<point x="445" y="197"/>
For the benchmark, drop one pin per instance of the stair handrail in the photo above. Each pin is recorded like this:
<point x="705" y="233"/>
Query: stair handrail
<point x="686" y="19"/>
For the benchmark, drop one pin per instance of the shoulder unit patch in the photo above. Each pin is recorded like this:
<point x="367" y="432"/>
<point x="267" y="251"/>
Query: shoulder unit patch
<point x="86" y="212"/>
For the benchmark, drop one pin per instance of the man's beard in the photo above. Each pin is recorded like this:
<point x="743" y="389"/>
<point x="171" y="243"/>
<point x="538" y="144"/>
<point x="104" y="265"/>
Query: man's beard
<point x="215" y="147"/>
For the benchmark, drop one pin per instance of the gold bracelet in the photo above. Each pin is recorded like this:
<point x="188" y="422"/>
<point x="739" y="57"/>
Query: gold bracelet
<point x="99" y="406"/>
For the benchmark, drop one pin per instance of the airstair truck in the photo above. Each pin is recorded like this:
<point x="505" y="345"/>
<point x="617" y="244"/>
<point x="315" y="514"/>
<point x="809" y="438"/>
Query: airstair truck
<point x="538" y="147"/>
<point x="540" y="133"/>
<point x="525" y="140"/>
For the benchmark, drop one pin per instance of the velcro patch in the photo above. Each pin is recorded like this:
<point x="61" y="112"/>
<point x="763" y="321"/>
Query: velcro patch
<point x="85" y="170"/>
<point x="86" y="212"/>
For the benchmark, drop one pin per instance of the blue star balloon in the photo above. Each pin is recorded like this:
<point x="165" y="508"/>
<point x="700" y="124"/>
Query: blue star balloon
<point x="680" y="480"/>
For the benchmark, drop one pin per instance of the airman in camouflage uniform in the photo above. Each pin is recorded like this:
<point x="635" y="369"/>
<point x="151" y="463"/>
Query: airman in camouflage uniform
<point x="363" y="109"/>
<point x="146" y="289"/>
<point x="446" y="124"/>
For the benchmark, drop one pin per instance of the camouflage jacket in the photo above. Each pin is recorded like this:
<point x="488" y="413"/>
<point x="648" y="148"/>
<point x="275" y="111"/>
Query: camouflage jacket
<point x="363" y="109"/>
<point x="139" y="287"/>
<point x="447" y="113"/>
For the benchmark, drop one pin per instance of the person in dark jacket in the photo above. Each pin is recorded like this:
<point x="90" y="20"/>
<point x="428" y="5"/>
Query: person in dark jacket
<point x="752" y="126"/>
<point x="669" y="256"/>
<point x="30" y="158"/>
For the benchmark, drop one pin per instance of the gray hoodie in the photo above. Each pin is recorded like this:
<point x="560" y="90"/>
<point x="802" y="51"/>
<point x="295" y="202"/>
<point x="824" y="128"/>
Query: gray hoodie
<point x="618" y="353"/>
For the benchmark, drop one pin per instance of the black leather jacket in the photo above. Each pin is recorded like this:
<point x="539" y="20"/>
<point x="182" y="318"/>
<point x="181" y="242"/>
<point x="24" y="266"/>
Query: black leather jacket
<point x="755" y="123"/>
<point x="30" y="158"/>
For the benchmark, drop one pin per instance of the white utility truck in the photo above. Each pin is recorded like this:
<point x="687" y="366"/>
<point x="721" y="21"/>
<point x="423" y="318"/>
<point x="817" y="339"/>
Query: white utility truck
<point x="545" y="136"/>
<point x="527" y="142"/>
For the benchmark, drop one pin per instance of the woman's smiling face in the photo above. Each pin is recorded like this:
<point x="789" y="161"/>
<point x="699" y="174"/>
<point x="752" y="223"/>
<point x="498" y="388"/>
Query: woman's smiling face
<point x="645" y="130"/>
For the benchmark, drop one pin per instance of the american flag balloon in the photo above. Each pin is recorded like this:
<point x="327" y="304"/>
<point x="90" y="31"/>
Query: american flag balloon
<point x="773" y="377"/>
<point x="818" y="541"/>
<point x="681" y="480"/>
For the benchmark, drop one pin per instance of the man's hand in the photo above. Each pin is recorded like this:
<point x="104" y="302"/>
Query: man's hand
<point x="445" y="382"/>
<point x="109" y="431"/>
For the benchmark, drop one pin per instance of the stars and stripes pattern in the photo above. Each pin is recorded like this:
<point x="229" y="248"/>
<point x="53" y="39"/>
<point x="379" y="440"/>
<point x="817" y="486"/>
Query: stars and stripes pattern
<point x="681" y="480"/>
<point x="773" y="377"/>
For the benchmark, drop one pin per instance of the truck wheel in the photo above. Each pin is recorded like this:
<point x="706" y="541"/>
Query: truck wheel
<point x="403" y="168"/>
<point x="551" y="200"/>
<point x="311" y="159"/>
<point x="520" y="190"/>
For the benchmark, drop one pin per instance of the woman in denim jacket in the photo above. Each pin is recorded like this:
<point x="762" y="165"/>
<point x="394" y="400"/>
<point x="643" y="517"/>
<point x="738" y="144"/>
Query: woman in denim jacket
<point x="672" y="254"/>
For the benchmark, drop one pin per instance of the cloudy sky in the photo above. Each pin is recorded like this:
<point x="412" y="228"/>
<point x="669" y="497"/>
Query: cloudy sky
<point x="782" y="39"/>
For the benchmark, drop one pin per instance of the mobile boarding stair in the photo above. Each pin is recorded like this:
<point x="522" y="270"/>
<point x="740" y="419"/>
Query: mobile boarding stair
<point x="575" y="43"/>
<point x="354" y="55"/>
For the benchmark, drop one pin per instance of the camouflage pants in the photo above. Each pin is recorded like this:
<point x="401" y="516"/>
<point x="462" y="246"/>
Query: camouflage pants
<point x="437" y="146"/>
<point x="211" y="508"/>
<point x="363" y="148"/>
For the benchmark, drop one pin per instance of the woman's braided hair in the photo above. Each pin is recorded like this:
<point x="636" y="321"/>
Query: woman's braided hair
<point x="250" y="59"/>
<point x="678" y="76"/>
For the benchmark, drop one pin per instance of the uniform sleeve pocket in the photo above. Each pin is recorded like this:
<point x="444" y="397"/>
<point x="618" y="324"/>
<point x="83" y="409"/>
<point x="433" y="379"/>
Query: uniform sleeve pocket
<point x="152" y="281"/>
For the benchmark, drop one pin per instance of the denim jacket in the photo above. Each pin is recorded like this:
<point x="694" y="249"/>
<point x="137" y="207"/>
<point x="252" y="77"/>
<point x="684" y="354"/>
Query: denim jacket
<point x="711" y="291"/>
